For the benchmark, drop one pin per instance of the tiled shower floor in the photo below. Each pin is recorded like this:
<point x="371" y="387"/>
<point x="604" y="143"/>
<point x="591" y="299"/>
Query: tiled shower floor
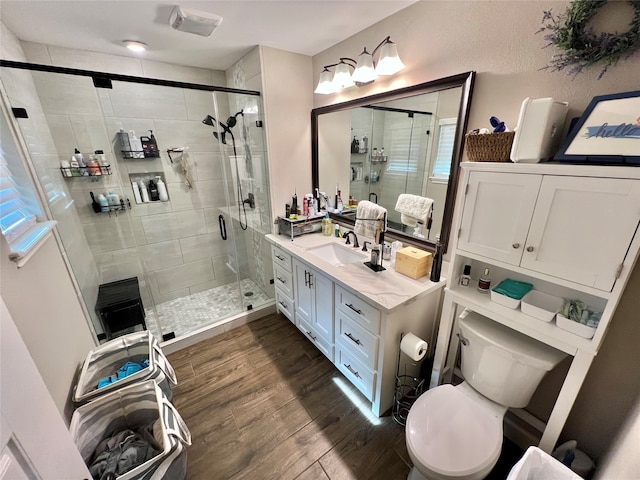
<point x="186" y="314"/>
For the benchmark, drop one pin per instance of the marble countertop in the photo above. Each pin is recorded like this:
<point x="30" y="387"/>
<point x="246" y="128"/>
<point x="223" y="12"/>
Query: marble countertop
<point x="387" y="290"/>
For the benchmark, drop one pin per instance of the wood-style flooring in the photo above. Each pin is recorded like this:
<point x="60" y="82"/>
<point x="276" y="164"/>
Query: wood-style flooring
<point x="263" y="403"/>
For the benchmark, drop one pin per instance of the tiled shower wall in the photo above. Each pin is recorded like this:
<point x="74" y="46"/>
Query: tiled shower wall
<point x="176" y="243"/>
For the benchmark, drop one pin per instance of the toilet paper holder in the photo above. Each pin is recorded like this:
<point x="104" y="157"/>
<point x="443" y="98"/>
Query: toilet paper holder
<point x="409" y="386"/>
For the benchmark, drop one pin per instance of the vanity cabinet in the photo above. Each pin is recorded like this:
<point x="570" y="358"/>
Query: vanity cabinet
<point x="571" y="231"/>
<point x="314" y="306"/>
<point x="569" y="227"/>
<point x="354" y="316"/>
<point x="357" y="327"/>
<point x="283" y="281"/>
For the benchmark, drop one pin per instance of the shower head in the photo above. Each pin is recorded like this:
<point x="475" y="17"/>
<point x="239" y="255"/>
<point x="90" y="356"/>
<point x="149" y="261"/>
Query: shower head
<point x="232" y="121"/>
<point x="211" y="121"/>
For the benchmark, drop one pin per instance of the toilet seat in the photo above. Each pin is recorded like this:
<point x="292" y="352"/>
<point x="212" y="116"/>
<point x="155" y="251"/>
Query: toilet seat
<point x="452" y="435"/>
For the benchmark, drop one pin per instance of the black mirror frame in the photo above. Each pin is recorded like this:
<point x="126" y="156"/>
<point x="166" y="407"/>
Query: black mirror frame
<point x="464" y="80"/>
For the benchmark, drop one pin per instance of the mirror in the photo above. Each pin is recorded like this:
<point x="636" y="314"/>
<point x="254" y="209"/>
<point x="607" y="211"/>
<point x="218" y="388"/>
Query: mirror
<point x="403" y="141"/>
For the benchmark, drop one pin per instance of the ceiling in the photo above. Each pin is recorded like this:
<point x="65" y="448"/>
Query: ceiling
<point x="300" y="26"/>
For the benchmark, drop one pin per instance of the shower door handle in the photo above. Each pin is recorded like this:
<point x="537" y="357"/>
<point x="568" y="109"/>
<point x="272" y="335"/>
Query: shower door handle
<point x="223" y="227"/>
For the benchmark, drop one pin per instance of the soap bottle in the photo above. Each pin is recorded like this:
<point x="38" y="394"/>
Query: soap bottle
<point x="113" y="199"/>
<point x="375" y="255"/>
<point x="465" y="278"/>
<point x="79" y="158"/>
<point x="484" y="282"/>
<point x="326" y="225"/>
<point x="162" y="190"/>
<point x="364" y="144"/>
<point x="436" y="265"/>
<point x="104" y="203"/>
<point x="154" y="195"/>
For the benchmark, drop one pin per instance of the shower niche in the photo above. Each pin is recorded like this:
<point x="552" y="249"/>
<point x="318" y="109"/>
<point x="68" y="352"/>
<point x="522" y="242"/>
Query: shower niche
<point x="149" y="187"/>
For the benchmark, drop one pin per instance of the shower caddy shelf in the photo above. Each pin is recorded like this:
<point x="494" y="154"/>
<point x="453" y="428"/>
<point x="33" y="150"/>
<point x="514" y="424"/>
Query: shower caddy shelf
<point x="84" y="172"/>
<point x="123" y="207"/>
<point x="131" y="154"/>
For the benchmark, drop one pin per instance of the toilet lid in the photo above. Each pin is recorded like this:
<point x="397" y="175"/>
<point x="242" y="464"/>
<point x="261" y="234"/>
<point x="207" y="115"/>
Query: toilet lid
<point x="452" y="434"/>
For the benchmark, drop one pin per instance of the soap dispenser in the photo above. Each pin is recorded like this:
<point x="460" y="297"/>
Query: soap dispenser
<point x="162" y="190"/>
<point x="154" y="195"/>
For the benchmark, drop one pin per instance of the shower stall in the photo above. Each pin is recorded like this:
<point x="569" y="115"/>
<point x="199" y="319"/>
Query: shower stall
<point x="143" y="189"/>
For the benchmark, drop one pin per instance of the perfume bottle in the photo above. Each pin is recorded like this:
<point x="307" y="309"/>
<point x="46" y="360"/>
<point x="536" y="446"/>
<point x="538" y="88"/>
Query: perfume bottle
<point x="465" y="278"/>
<point x="484" y="282"/>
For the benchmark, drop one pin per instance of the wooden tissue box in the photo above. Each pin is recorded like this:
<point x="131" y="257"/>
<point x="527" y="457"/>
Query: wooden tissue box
<point x="413" y="262"/>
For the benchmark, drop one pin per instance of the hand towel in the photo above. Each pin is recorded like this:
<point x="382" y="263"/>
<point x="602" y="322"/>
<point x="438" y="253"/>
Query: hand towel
<point x="370" y="211"/>
<point x="413" y="209"/>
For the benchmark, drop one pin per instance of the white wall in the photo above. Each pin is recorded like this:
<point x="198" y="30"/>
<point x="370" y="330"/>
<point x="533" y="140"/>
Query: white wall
<point x="287" y="87"/>
<point x="497" y="39"/>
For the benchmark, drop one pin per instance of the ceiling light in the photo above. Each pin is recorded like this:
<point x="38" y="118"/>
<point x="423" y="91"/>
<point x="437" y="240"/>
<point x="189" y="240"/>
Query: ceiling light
<point x="365" y="69"/>
<point x="135" y="46"/>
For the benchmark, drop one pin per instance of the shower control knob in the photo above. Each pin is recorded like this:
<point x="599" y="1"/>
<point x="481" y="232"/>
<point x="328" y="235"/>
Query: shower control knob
<point x="516" y="245"/>
<point x="530" y="249"/>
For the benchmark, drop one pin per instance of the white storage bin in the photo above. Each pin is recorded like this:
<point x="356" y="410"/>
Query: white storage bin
<point x="574" y="327"/>
<point x="536" y="464"/>
<point x="540" y="305"/>
<point x="106" y="359"/>
<point x="504" y="300"/>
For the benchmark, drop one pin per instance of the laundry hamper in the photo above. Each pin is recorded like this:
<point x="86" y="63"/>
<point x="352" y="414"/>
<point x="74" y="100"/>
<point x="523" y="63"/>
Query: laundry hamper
<point x="133" y="407"/>
<point x="106" y="359"/>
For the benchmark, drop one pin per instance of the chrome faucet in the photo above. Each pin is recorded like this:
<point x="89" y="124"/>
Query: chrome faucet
<point x="355" y="239"/>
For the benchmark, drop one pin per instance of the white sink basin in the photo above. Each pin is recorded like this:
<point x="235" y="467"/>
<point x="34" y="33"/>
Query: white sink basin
<point x="337" y="255"/>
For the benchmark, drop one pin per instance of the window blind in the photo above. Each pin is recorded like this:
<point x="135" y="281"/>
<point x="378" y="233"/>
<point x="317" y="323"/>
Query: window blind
<point x="444" y="153"/>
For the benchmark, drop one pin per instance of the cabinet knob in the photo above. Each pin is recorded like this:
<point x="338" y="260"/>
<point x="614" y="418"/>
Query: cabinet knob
<point x="516" y="245"/>
<point x="530" y="249"/>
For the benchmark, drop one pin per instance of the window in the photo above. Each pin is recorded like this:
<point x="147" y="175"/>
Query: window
<point x="444" y="153"/>
<point x="18" y="215"/>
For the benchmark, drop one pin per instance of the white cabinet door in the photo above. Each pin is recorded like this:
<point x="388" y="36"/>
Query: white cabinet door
<point x="582" y="227"/>
<point x="323" y="296"/>
<point x="496" y="214"/>
<point x="303" y="292"/>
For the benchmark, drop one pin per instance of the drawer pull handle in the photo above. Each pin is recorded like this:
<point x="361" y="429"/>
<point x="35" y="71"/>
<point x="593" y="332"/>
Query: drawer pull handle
<point x="279" y="257"/>
<point x="516" y="245"/>
<point x="306" y="279"/>
<point x="359" y="312"/>
<point x="354" y="340"/>
<point x="352" y="370"/>
<point x="529" y="249"/>
<point x="312" y="337"/>
<point x="281" y="280"/>
<point x="283" y="304"/>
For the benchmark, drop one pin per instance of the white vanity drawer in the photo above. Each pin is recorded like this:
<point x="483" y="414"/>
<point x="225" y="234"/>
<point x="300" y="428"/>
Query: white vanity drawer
<point x="281" y="258"/>
<point x="363" y="378"/>
<point x="357" y="340"/>
<point x="285" y="305"/>
<point x="283" y="280"/>
<point x="325" y="347"/>
<point x="359" y="310"/>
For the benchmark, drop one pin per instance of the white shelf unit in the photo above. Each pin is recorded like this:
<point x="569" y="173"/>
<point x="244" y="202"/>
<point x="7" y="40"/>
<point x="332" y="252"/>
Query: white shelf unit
<point x="528" y="222"/>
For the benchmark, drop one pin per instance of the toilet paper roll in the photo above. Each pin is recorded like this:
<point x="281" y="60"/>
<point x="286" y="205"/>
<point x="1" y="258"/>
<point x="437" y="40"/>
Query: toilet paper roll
<point x="413" y="346"/>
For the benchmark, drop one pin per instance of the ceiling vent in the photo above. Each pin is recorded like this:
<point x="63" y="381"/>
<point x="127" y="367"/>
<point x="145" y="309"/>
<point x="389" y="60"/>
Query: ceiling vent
<point x="194" y="21"/>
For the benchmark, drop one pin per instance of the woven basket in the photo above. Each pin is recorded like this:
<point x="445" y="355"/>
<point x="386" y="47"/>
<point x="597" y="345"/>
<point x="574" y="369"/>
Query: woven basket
<point x="489" y="147"/>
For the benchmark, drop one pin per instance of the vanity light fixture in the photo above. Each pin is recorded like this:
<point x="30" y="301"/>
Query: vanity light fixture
<point x="135" y="46"/>
<point x="365" y="70"/>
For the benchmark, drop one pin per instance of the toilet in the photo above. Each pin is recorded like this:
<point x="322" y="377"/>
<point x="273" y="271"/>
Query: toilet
<point x="455" y="432"/>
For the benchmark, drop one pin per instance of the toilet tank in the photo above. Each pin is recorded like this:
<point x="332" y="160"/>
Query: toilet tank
<point x="500" y="363"/>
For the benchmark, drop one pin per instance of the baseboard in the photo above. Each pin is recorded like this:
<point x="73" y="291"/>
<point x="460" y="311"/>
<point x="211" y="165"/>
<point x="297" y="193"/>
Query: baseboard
<point x="520" y="432"/>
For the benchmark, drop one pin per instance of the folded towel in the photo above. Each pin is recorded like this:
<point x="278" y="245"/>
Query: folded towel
<point x="370" y="211"/>
<point x="414" y="209"/>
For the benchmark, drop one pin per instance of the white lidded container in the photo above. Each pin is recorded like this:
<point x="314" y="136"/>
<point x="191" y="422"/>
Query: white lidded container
<point x="540" y="305"/>
<point x="539" y="130"/>
<point x="504" y="300"/>
<point x="503" y="365"/>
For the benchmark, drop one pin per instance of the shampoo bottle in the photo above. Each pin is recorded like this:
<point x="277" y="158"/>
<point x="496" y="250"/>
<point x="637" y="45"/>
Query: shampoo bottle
<point x="162" y="190"/>
<point x="104" y="203"/>
<point x="144" y="192"/>
<point x="136" y="192"/>
<point x="154" y="196"/>
<point x="79" y="158"/>
<point x="136" y="145"/>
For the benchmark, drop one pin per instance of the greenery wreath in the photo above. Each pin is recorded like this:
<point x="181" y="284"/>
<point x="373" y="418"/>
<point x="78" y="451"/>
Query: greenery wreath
<point x="581" y="46"/>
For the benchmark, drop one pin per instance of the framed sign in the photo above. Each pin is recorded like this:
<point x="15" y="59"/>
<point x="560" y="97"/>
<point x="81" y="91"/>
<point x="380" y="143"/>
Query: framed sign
<point x="608" y="132"/>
